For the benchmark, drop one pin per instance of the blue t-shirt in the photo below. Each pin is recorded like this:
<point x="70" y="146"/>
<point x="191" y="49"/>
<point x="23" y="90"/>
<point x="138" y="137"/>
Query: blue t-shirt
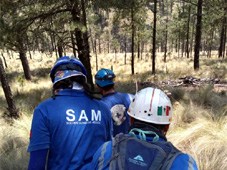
<point x="72" y="127"/>
<point x="118" y="104"/>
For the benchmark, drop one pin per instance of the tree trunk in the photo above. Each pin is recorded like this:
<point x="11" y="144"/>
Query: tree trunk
<point x="53" y="41"/>
<point x="179" y="38"/>
<point x="198" y="34"/>
<point x="96" y="56"/>
<point x="188" y="26"/>
<point x="26" y="68"/>
<point x="52" y="38"/>
<point x="133" y="36"/>
<point x="73" y="43"/>
<point x="60" y="50"/>
<point x="9" y="54"/>
<point x="142" y="49"/>
<point x="100" y="50"/>
<point x="171" y="7"/>
<point x="166" y="41"/>
<point x="92" y="41"/>
<point x="13" y="112"/>
<point x="115" y="55"/>
<point x="138" y="49"/>
<point x="210" y="44"/>
<point x="225" y="32"/>
<point x="176" y="45"/>
<point x="23" y="58"/>
<point x="125" y="48"/>
<point x="4" y="60"/>
<point x="192" y="35"/>
<point x="221" y="41"/>
<point x="166" y="36"/>
<point x="182" y="48"/>
<point x="82" y="37"/>
<point x="154" y="37"/>
<point x="224" y="42"/>
<point x="27" y="43"/>
<point x="108" y="45"/>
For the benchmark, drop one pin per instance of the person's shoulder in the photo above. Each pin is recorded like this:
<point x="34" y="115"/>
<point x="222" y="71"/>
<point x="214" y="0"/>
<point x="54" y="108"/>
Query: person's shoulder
<point x="183" y="162"/>
<point x="98" y="101"/>
<point x="101" y="104"/>
<point x="46" y="102"/>
<point x="102" y="156"/>
<point x="106" y="149"/>
<point x="125" y="95"/>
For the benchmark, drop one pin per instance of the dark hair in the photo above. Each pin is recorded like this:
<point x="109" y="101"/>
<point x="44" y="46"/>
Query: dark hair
<point x="159" y="127"/>
<point x="108" y="87"/>
<point x="68" y="84"/>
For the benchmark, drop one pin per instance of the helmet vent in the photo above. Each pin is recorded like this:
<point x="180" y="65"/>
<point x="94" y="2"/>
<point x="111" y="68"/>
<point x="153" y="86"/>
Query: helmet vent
<point x="145" y="111"/>
<point x="149" y="114"/>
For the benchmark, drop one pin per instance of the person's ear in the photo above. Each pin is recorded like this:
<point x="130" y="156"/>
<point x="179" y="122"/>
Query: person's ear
<point x="132" y="120"/>
<point x="166" y="128"/>
<point x="99" y="88"/>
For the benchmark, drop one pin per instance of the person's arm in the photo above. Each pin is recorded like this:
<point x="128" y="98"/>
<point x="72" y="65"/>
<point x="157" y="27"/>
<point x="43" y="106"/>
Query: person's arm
<point x="184" y="162"/>
<point x="38" y="160"/>
<point x="39" y="140"/>
<point x="108" y="118"/>
<point x="101" y="157"/>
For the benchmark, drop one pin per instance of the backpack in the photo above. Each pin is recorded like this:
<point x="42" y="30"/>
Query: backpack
<point x="130" y="153"/>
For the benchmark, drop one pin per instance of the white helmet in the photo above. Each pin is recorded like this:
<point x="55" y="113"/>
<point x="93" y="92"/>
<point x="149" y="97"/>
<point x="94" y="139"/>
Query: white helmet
<point x="151" y="105"/>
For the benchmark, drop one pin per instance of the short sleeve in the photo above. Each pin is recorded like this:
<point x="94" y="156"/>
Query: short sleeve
<point x="109" y="121"/>
<point x="40" y="135"/>
<point x="101" y="157"/>
<point x="184" y="162"/>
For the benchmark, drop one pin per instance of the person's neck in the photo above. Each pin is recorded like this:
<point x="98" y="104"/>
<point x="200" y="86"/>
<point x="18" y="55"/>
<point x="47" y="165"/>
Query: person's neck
<point x="146" y="127"/>
<point x="107" y="92"/>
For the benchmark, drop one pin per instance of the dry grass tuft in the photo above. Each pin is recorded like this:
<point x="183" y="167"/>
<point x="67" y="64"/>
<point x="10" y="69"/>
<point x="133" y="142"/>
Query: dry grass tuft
<point x="14" y="142"/>
<point x="197" y="132"/>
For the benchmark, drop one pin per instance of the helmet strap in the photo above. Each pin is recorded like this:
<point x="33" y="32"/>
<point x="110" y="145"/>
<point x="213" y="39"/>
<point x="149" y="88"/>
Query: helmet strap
<point x="142" y="134"/>
<point x="53" y="92"/>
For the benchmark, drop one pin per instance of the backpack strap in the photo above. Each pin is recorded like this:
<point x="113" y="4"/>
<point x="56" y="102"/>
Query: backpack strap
<point x="101" y="158"/>
<point x="115" y="162"/>
<point x="171" y="157"/>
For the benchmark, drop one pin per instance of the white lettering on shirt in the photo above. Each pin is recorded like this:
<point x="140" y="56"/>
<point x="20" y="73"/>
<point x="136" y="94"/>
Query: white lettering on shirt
<point x="83" y="115"/>
<point x="82" y="118"/>
<point x="70" y="113"/>
<point x="95" y="117"/>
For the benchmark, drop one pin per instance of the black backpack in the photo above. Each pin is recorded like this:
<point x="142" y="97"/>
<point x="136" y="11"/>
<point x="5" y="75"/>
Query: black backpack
<point x="130" y="153"/>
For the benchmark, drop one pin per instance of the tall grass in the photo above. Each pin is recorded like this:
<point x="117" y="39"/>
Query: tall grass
<point x="197" y="132"/>
<point x="200" y="114"/>
<point x="14" y="142"/>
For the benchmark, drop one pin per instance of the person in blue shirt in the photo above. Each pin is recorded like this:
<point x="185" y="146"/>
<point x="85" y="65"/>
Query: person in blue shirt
<point x="117" y="102"/>
<point x="150" y="115"/>
<point x="68" y="128"/>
